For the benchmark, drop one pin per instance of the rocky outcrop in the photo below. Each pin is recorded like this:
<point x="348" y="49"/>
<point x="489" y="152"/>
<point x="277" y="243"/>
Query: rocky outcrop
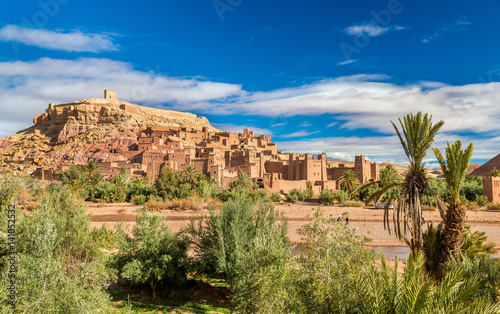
<point x="93" y="128"/>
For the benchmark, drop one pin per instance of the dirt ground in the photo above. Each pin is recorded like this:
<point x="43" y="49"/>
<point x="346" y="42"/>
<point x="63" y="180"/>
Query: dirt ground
<point x="367" y="221"/>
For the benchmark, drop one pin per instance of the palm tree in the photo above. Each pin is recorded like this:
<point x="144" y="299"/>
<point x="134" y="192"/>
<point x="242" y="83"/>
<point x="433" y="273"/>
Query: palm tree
<point x="93" y="173"/>
<point x="416" y="136"/>
<point x="244" y="180"/>
<point x="387" y="175"/>
<point x="190" y="175"/>
<point x="454" y="171"/>
<point x="348" y="181"/>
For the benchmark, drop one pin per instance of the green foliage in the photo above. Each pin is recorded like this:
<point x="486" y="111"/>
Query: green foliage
<point x="331" y="254"/>
<point x="388" y="175"/>
<point x="244" y="180"/>
<point x="152" y="254"/>
<point x="481" y="200"/>
<point x="495" y="173"/>
<point x="416" y="136"/>
<point x="486" y="268"/>
<point x="60" y="267"/>
<point x="292" y="198"/>
<point x="139" y="187"/>
<point x="170" y="185"/>
<point x="326" y="197"/>
<point x="221" y="239"/>
<point x="454" y="167"/>
<point x="310" y="191"/>
<point x="384" y="290"/>
<point x="276" y="197"/>
<point x="341" y="196"/>
<point x="297" y="194"/>
<point x="140" y="199"/>
<point x="348" y="181"/>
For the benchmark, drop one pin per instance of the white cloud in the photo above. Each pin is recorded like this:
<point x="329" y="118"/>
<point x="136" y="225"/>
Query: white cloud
<point x="305" y="124"/>
<point x="230" y="127"/>
<point x="362" y="103"/>
<point x="347" y="62"/>
<point x="27" y="87"/>
<point x="458" y="25"/>
<point x="74" y="41"/>
<point x="371" y="29"/>
<point x="301" y="133"/>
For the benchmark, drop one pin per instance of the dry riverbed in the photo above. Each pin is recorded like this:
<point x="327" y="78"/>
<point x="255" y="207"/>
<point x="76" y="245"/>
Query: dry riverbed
<point x="367" y="221"/>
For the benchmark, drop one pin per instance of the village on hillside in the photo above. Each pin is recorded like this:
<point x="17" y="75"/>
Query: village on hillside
<point x="220" y="155"/>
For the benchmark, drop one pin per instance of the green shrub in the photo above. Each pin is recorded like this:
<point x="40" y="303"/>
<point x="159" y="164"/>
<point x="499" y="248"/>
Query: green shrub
<point x="276" y="197"/>
<point x="223" y="195"/>
<point x="298" y="194"/>
<point x="152" y="254"/>
<point x="259" y="195"/>
<point x="326" y="196"/>
<point x="60" y="266"/>
<point x="292" y="198"/>
<point x="223" y="240"/>
<point x="341" y="196"/>
<point x="481" y="200"/>
<point x="140" y="199"/>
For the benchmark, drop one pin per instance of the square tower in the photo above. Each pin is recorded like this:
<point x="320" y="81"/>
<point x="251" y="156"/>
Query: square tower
<point x="109" y="94"/>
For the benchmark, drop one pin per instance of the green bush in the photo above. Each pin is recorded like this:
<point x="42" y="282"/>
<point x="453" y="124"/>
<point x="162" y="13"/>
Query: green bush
<point x="224" y="239"/>
<point x="298" y="194"/>
<point x="292" y="198"/>
<point x="152" y="254"/>
<point x="276" y="197"/>
<point x="60" y="266"/>
<point x="341" y="196"/>
<point x="140" y="199"/>
<point x="481" y="200"/>
<point x="326" y="196"/>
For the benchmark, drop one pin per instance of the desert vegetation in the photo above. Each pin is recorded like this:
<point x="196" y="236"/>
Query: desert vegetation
<point x="240" y="247"/>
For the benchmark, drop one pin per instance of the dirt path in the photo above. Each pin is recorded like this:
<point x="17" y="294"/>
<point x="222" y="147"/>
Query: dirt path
<point x="367" y="221"/>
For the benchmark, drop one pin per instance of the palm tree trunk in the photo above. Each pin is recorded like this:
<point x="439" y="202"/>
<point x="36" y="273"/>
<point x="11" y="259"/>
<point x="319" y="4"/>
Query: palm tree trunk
<point x="453" y="230"/>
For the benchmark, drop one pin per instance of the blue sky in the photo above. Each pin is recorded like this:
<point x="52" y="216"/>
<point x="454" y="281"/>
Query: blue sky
<point x="318" y="76"/>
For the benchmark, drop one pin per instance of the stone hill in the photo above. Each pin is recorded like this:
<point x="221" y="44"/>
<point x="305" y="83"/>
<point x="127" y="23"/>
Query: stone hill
<point x="87" y="129"/>
<point x="485" y="169"/>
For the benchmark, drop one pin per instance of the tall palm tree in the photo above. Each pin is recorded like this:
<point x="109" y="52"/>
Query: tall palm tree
<point x="93" y="172"/>
<point x="454" y="171"/>
<point x="388" y="175"/>
<point x="416" y="136"/>
<point x="244" y="180"/>
<point x="190" y="175"/>
<point x="348" y="181"/>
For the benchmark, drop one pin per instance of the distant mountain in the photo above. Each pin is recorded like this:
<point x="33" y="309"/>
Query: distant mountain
<point x="484" y="170"/>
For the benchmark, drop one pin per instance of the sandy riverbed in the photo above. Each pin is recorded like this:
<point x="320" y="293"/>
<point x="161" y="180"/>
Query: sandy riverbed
<point x="367" y="221"/>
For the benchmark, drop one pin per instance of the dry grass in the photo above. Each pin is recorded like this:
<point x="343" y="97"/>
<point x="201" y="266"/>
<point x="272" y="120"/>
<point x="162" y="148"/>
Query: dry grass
<point x="474" y="206"/>
<point x="191" y="203"/>
<point x="494" y="206"/>
<point x="353" y="204"/>
<point x="428" y="208"/>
